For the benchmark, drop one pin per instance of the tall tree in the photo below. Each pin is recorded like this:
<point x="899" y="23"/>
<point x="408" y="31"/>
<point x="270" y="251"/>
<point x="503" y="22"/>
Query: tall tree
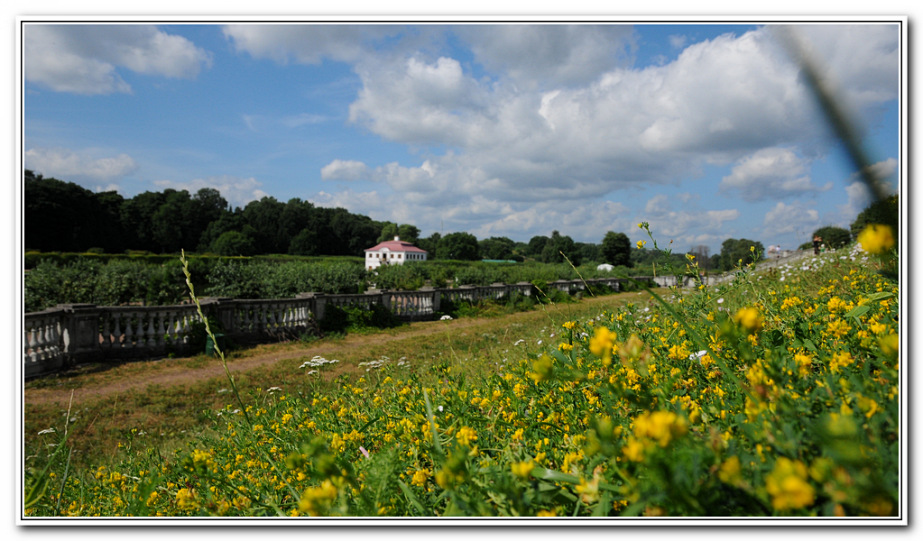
<point x="137" y="217"/>
<point x="739" y="250"/>
<point x="64" y="216"/>
<point x="265" y="217"/>
<point x="834" y="237"/>
<point x="558" y="247"/>
<point x="174" y="223"/>
<point x="496" y="248"/>
<point x="463" y="246"/>
<point x="616" y="249"/>
<point x="536" y="245"/>
<point x="430" y="244"/>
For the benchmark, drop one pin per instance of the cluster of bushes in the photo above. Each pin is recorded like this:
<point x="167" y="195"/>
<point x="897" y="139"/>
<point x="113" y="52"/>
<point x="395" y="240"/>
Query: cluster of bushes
<point x="121" y="282"/>
<point x="113" y="280"/>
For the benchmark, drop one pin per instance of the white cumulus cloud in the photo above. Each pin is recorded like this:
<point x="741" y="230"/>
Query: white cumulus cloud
<point x="86" y="59"/>
<point x="71" y="165"/>
<point x="344" y="170"/>
<point x="771" y="173"/>
<point x="797" y="218"/>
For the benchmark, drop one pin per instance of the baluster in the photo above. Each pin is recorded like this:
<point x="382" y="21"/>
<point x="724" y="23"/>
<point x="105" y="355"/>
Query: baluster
<point x="160" y="329"/>
<point x="283" y="317"/>
<point x="150" y="330"/>
<point x="263" y="320"/>
<point x="271" y="316"/>
<point x="185" y="327"/>
<point x="45" y="339"/>
<point x="55" y="338"/>
<point x="246" y="317"/>
<point x="32" y="347"/>
<point x="171" y="327"/>
<point x="116" y="331"/>
<point x="129" y="332"/>
<point x="139" y="330"/>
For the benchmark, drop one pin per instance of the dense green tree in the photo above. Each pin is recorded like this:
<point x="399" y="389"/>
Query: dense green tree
<point x="535" y="246"/>
<point x="388" y="231"/>
<point x="885" y="212"/>
<point x="173" y="226"/>
<point x="496" y="248"/>
<point x="616" y="249"/>
<point x="558" y="247"/>
<point x="137" y="217"/>
<point x="228" y="221"/>
<point x="833" y="237"/>
<point x="430" y="244"/>
<point x="265" y="217"/>
<point x="114" y="239"/>
<point x="407" y="232"/>
<point x="587" y="252"/>
<point x="233" y="243"/>
<point x="64" y="216"/>
<point x="734" y="250"/>
<point x="462" y="246"/>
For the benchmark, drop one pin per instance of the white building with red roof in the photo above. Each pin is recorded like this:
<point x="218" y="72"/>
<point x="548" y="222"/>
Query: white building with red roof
<point x="392" y="252"/>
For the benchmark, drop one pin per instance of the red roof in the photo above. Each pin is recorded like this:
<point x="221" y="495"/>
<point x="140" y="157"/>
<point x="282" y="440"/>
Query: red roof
<point x="396" y="246"/>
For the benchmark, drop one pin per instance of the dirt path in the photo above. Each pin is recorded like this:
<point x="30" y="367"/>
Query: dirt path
<point x="176" y="372"/>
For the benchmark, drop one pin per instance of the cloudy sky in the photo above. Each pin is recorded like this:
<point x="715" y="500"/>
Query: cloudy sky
<point x="707" y="132"/>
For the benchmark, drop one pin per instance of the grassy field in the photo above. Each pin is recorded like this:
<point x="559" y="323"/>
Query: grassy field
<point x="775" y="395"/>
<point x="168" y="400"/>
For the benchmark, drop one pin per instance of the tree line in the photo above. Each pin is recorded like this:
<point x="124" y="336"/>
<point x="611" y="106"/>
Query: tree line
<point x="65" y="217"/>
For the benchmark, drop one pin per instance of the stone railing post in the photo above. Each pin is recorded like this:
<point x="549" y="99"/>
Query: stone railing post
<point x="316" y="303"/>
<point x="80" y="329"/>
<point x="384" y="298"/>
<point x="222" y="309"/>
<point x="434" y="295"/>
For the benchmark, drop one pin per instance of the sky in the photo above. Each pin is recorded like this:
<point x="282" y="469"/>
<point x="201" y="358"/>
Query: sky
<point x="705" y="131"/>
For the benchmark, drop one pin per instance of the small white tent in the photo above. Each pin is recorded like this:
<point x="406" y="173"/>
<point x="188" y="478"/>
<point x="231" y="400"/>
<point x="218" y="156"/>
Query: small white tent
<point x="605" y="267"/>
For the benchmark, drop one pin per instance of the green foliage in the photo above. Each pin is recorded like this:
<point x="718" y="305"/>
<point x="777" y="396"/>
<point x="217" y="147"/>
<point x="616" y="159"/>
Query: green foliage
<point x="233" y="243"/>
<point x="353" y="319"/>
<point x="460" y="246"/>
<point x="761" y="398"/>
<point x="616" y="249"/>
<point x="833" y="237"/>
<point x="497" y="248"/>
<point x="558" y="248"/>
<point x="410" y="276"/>
<point x="885" y="212"/>
<point x="735" y="251"/>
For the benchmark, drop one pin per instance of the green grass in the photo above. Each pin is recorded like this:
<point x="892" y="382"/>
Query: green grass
<point x="774" y="395"/>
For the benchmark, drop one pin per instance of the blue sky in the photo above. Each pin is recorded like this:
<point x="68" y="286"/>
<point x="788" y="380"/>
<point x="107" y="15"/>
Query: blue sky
<point x="704" y="131"/>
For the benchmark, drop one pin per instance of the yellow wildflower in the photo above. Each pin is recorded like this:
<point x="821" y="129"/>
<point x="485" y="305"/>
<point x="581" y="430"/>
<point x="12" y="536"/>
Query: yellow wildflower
<point x="522" y="469"/>
<point x="186" y="498"/>
<point x="659" y="426"/>
<point x="602" y="342"/>
<point x="876" y="239"/>
<point x="317" y="500"/>
<point x="466" y="435"/>
<point x="729" y="472"/>
<point x="420" y="477"/>
<point x="750" y="319"/>
<point x="788" y="485"/>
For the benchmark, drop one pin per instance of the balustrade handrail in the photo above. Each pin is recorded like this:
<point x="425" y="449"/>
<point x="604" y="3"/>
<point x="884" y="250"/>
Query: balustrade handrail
<point x="68" y="334"/>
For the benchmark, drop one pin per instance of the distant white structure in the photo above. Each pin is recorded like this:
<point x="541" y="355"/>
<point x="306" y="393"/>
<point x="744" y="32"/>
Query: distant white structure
<point x="392" y="252"/>
<point x="605" y="267"/>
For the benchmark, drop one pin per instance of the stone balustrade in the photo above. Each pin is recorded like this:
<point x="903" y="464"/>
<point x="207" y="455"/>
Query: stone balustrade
<point x="76" y="333"/>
